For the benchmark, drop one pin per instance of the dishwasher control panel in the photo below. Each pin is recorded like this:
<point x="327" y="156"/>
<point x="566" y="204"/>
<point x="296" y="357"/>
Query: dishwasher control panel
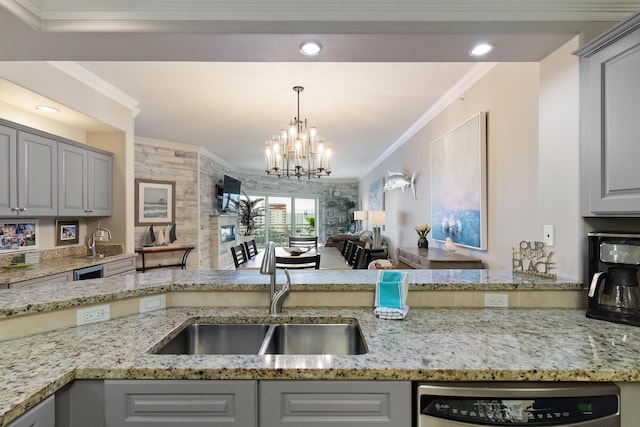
<point x="518" y="404"/>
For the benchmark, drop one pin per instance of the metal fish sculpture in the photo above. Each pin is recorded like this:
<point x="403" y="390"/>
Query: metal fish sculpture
<point x="400" y="180"/>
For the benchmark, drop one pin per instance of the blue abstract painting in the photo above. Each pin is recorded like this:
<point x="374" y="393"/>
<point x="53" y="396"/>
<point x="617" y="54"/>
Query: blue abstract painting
<point x="458" y="184"/>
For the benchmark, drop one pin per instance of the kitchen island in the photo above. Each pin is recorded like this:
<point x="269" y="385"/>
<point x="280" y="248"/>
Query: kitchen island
<point x="442" y="344"/>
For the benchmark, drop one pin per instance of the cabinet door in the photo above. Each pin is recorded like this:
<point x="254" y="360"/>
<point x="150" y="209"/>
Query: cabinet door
<point x="37" y="175"/>
<point x="335" y="403"/>
<point x="610" y="126"/>
<point x="65" y="277"/>
<point x="41" y="415"/>
<point x="8" y="175"/>
<point x="100" y="184"/>
<point x="124" y="266"/>
<point x="72" y="181"/>
<point x="167" y="403"/>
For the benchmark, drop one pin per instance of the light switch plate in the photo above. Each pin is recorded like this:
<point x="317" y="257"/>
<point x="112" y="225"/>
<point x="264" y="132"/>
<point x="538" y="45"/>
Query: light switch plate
<point x="549" y="235"/>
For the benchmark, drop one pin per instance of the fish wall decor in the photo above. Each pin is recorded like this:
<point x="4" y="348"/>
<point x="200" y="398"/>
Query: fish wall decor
<point x="400" y="180"/>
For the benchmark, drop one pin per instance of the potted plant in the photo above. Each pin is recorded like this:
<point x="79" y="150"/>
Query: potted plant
<point x="423" y="230"/>
<point x="248" y="210"/>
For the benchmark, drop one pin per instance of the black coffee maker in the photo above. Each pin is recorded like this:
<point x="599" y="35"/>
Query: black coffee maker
<point x="614" y="270"/>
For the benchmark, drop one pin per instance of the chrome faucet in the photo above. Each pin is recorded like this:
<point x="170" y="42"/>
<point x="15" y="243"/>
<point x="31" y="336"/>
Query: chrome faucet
<point x="91" y="243"/>
<point x="269" y="267"/>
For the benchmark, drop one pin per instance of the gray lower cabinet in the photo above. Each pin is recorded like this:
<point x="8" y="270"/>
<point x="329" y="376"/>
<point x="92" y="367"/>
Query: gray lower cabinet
<point x="116" y="268"/>
<point x="335" y="403"/>
<point x="64" y="277"/>
<point x="610" y="90"/>
<point x="28" y="172"/>
<point x="176" y="403"/>
<point x="41" y="415"/>
<point x="85" y="181"/>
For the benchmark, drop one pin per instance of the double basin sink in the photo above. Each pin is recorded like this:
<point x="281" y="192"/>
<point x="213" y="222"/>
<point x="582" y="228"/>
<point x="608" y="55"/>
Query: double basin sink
<point x="266" y="339"/>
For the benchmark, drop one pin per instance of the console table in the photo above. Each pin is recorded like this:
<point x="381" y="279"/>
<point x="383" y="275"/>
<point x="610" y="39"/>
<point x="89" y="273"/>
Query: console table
<point x="436" y="259"/>
<point x="164" y="249"/>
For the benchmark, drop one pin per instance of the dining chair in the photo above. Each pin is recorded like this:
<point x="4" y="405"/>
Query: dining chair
<point x="298" y="262"/>
<point x="250" y="248"/>
<point x="349" y="251"/>
<point x="345" y="248"/>
<point x="239" y="255"/>
<point x="355" y="260"/>
<point x="303" y="241"/>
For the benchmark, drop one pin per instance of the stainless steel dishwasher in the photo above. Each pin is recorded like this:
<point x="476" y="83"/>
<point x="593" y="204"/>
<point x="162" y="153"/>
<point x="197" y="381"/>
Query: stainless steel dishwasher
<point x="518" y="404"/>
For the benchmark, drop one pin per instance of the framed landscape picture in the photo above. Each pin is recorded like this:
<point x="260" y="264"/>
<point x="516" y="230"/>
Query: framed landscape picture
<point x="155" y="202"/>
<point x="459" y="184"/>
<point x="67" y="232"/>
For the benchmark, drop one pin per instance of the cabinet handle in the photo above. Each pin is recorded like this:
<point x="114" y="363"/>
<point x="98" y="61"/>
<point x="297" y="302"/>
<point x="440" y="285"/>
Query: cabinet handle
<point x="23" y="209"/>
<point x="91" y="210"/>
<point x="16" y="209"/>
<point x="87" y="210"/>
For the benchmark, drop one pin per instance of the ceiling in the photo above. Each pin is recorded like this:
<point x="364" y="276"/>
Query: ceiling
<point x="219" y="74"/>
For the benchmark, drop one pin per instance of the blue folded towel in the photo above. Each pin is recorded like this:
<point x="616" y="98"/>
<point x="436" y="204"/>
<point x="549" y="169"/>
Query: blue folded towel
<point x="391" y="289"/>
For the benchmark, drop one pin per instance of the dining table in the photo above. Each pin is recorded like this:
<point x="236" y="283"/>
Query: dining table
<point x="330" y="258"/>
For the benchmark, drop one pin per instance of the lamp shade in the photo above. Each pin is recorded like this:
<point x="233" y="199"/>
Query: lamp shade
<point x="360" y="215"/>
<point x="377" y="217"/>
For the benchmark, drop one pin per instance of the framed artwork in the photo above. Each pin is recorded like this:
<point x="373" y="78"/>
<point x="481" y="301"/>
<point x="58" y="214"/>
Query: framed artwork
<point x="376" y="195"/>
<point x="19" y="235"/>
<point x="67" y="232"/>
<point x="331" y="213"/>
<point x="459" y="184"/>
<point x="155" y="202"/>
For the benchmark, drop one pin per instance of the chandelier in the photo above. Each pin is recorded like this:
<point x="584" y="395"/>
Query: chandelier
<point x="298" y="151"/>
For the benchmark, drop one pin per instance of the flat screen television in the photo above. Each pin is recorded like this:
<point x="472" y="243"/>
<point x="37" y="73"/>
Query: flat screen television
<point x="230" y="194"/>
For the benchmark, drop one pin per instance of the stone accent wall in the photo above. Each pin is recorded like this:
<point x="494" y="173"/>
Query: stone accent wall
<point x="196" y="176"/>
<point x="167" y="164"/>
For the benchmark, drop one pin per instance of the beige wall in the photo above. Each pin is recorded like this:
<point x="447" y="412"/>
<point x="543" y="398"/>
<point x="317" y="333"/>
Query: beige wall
<point x="509" y="95"/>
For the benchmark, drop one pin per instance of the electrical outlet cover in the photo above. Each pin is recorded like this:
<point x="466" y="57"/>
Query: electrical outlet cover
<point x="496" y="300"/>
<point x="99" y="313"/>
<point x="155" y="302"/>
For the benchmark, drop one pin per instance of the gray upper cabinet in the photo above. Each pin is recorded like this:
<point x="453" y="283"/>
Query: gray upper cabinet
<point x="8" y="174"/>
<point x="610" y="148"/>
<point x="85" y="178"/>
<point x="28" y="168"/>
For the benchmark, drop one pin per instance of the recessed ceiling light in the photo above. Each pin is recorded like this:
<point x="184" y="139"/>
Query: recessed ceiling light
<point x="310" y="48"/>
<point x="481" y="49"/>
<point x="47" y="109"/>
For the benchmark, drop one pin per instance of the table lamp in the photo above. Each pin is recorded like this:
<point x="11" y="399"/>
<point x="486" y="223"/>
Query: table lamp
<point x="377" y="218"/>
<point x="359" y="216"/>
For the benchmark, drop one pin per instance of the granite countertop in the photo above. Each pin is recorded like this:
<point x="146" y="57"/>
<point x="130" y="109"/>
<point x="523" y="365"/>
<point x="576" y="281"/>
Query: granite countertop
<point x="430" y="344"/>
<point x="51" y="266"/>
<point x="49" y="297"/>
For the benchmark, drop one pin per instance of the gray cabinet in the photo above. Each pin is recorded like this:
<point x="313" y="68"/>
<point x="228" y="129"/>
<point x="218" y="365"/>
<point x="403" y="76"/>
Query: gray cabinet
<point x="41" y="415"/>
<point x="85" y="182"/>
<point x="64" y="277"/>
<point x="121" y="267"/>
<point x="174" y="403"/>
<point x="29" y="174"/>
<point x="610" y="90"/>
<point x="335" y="403"/>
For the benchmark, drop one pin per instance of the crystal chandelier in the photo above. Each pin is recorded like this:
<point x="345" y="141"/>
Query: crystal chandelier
<point x="298" y="151"/>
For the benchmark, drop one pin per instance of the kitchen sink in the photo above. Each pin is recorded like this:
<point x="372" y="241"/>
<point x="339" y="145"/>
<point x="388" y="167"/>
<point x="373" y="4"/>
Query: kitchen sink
<point x="217" y="338"/>
<point x="267" y="338"/>
<point x="337" y="339"/>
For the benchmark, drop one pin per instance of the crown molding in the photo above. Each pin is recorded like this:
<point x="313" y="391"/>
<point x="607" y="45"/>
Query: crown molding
<point x="45" y="13"/>
<point x="85" y="76"/>
<point x="454" y="93"/>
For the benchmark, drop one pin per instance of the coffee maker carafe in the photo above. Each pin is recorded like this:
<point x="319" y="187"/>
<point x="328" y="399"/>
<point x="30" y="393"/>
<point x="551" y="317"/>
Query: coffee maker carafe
<point x="614" y="269"/>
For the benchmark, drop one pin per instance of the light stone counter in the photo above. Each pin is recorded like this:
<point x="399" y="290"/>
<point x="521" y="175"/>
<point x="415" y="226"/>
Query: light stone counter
<point x="430" y="344"/>
<point x="51" y="297"/>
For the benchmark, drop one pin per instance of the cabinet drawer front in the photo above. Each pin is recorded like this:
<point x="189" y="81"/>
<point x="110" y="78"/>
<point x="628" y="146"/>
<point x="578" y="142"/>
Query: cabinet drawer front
<point x="119" y="267"/>
<point x="178" y="403"/>
<point x="41" y="415"/>
<point x="335" y="403"/>
<point x="53" y="278"/>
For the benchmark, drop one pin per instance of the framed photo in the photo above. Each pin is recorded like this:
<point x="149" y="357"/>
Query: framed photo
<point x="67" y="232"/>
<point x="155" y="202"/>
<point x="19" y="235"/>
<point x="459" y="184"/>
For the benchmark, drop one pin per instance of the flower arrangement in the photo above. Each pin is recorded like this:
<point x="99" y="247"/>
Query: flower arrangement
<point x="423" y="230"/>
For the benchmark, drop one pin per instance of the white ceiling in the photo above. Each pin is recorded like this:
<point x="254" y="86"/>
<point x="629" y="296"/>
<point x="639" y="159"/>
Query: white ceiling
<point x="219" y="74"/>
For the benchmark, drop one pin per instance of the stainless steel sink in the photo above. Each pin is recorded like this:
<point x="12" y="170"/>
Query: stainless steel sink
<point x="217" y="338"/>
<point x="265" y="338"/>
<point x="336" y="339"/>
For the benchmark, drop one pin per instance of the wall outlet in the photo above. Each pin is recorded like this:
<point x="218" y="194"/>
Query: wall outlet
<point x="496" y="300"/>
<point x="152" y="303"/>
<point x="95" y="314"/>
<point x="549" y="235"/>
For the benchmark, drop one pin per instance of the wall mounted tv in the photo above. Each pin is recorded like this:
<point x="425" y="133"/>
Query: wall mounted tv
<point x="230" y="195"/>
